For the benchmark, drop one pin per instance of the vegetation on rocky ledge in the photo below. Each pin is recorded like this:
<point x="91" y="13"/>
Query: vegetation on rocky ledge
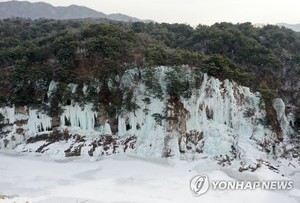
<point x="33" y="53"/>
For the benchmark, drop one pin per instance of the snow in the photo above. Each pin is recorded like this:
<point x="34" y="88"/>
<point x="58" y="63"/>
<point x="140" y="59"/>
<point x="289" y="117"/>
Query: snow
<point x="123" y="178"/>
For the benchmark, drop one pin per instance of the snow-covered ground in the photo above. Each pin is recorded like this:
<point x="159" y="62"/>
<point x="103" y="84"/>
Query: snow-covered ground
<point x="127" y="178"/>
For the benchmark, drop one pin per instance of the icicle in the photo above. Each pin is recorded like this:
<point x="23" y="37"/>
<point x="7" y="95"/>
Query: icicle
<point x="83" y="117"/>
<point x="280" y="109"/>
<point x="73" y="87"/>
<point x="107" y="129"/>
<point x="9" y="114"/>
<point x="84" y="89"/>
<point x="38" y="122"/>
<point x="121" y="126"/>
<point x="52" y="87"/>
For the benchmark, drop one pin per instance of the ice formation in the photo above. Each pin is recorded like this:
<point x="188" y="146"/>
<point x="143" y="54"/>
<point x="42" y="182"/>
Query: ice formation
<point x="284" y="123"/>
<point x="52" y="87"/>
<point x="20" y="125"/>
<point x="225" y="115"/>
<point x="107" y="129"/>
<point x="8" y="113"/>
<point x="224" y="128"/>
<point x="38" y="122"/>
<point x="79" y="116"/>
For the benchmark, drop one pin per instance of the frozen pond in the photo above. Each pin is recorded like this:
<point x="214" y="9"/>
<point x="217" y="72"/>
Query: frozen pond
<point x="123" y="178"/>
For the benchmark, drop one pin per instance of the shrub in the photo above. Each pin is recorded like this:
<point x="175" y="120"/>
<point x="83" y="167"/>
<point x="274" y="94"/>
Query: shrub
<point x="158" y="118"/>
<point x="1" y="118"/>
<point x="249" y="113"/>
<point x="178" y="84"/>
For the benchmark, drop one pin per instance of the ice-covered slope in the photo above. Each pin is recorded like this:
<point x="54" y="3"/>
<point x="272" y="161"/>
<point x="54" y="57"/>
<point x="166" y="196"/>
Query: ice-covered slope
<point x="212" y="118"/>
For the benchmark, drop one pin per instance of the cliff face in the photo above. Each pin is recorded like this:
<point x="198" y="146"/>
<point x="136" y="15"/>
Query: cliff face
<point x="212" y="118"/>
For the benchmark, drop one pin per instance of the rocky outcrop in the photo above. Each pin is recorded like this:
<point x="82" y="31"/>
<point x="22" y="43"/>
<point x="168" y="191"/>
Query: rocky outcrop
<point x="217" y="119"/>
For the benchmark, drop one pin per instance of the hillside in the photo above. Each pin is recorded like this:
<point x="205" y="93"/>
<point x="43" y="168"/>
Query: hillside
<point x="38" y="10"/>
<point x="264" y="58"/>
<point x="165" y="89"/>
<point x="127" y="107"/>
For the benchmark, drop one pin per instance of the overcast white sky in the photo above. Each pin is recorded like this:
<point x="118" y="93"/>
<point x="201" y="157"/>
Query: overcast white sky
<point x="194" y="12"/>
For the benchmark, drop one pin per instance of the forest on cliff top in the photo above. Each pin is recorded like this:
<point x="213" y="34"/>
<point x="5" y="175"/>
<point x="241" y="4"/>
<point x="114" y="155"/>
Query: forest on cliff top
<point x="35" y="52"/>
